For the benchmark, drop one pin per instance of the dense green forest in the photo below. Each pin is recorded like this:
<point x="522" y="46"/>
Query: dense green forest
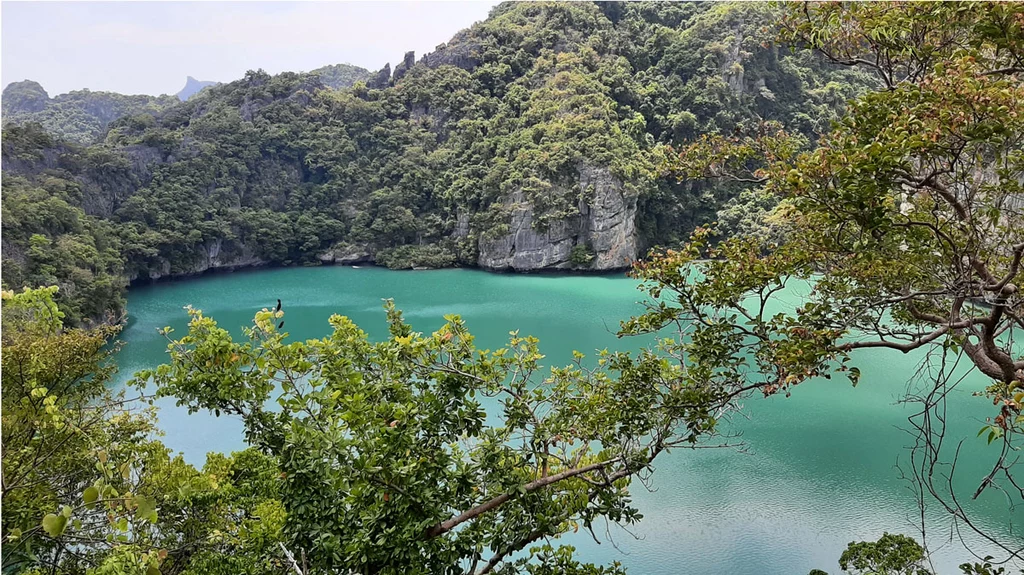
<point x="533" y="140"/>
<point x="81" y="116"/>
<point x="341" y="76"/>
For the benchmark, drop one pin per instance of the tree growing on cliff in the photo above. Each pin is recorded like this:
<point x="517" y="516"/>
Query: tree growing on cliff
<point x="906" y="222"/>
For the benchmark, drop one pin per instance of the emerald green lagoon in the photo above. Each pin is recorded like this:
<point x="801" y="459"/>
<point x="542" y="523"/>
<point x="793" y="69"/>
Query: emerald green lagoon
<point x="819" y="468"/>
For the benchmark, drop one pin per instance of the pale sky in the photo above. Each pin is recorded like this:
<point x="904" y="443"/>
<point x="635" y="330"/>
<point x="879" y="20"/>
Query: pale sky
<point x="150" y="47"/>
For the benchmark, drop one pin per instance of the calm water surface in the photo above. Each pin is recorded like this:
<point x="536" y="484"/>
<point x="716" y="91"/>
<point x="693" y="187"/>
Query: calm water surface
<point x="819" y="470"/>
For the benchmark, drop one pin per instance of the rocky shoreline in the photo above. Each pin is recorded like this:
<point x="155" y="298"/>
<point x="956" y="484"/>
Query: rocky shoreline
<point x="228" y="269"/>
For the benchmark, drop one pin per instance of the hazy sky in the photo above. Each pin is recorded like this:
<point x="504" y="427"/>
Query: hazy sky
<point x="150" y="47"/>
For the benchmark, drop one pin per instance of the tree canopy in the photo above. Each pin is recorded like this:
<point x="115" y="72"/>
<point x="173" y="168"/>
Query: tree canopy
<point x="906" y="220"/>
<point x="87" y="489"/>
<point x="423" y="454"/>
<point x="80" y="116"/>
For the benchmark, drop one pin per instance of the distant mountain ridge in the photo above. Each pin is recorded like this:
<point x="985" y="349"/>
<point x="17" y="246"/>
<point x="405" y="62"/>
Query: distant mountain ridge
<point x="80" y="116"/>
<point x="193" y="86"/>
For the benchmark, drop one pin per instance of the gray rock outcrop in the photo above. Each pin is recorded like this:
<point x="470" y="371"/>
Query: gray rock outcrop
<point x="461" y="53"/>
<point x="381" y="79"/>
<point x="213" y="255"/>
<point x="408" y="62"/>
<point x="347" y="254"/>
<point x="609" y="219"/>
<point x="605" y="227"/>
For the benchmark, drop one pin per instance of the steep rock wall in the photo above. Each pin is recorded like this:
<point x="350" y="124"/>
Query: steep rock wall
<point x="214" y="255"/>
<point x="605" y="226"/>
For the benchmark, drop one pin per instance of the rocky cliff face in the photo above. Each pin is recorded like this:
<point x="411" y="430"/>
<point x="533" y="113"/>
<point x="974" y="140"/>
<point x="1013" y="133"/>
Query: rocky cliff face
<point x="380" y="80"/>
<point x="610" y="219"/>
<point x="463" y="53"/>
<point x="407" y="62"/>
<point x="605" y="230"/>
<point x="347" y="254"/>
<point x="214" y="255"/>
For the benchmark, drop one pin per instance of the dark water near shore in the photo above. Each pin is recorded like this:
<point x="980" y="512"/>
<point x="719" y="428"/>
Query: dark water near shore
<point x="819" y="469"/>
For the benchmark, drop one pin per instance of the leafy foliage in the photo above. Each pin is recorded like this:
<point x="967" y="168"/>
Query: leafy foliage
<point x="48" y="240"/>
<point x="907" y="224"/>
<point x="890" y="555"/>
<point x="86" y="488"/>
<point x="422" y="454"/>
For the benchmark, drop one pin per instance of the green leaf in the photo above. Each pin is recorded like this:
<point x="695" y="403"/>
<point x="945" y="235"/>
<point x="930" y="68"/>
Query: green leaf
<point x="90" y="495"/>
<point x="854" y="375"/>
<point x="54" y="524"/>
<point x="146" y="508"/>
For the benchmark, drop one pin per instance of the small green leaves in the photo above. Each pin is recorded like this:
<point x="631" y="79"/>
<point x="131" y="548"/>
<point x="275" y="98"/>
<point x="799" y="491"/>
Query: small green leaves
<point x="145" y="508"/>
<point x="994" y="433"/>
<point x="90" y="495"/>
<point x="54" y="525"/>
<point x="854" y="375"/>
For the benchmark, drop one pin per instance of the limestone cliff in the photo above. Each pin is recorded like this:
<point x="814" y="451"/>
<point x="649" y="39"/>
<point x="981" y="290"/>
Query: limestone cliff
<point x="347" y="254"/>
<point x="604" y="230"/>
<point x="214" y="255"/>
<point x="381" y="79"/>
<point x="407" y="62"/>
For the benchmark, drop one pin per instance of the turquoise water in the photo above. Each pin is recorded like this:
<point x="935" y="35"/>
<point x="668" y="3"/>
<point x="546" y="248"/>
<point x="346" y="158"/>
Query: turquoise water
<point x="818" y="470"/>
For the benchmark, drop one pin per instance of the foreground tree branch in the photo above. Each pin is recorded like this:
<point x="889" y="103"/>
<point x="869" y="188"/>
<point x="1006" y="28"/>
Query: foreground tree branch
<point x="904" y="221"/>
<point x="395" y="430"/>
